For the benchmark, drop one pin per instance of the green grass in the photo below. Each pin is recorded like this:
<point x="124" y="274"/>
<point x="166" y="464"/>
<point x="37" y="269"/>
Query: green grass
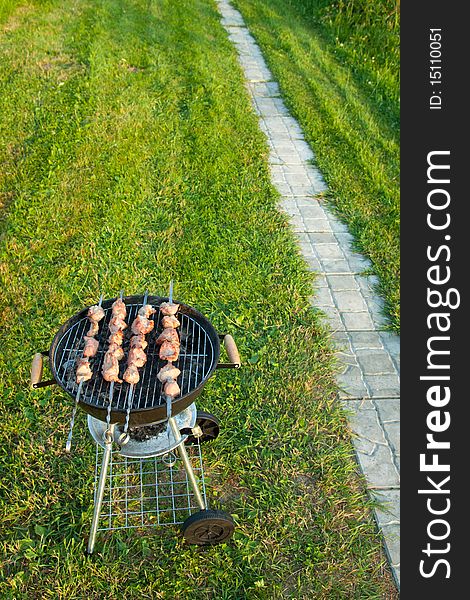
<point x="132" y="157"/>
<point x="337" y="63"/>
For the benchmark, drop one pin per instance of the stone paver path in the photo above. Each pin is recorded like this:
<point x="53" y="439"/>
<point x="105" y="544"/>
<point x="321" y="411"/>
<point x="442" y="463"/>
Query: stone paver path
<point x="370" y="356"/>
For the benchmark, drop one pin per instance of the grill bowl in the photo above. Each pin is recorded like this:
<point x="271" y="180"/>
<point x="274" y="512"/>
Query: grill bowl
<point x="200" y="351"/>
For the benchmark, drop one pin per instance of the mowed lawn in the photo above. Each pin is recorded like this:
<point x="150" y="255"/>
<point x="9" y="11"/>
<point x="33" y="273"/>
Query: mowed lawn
<point x="130" y="156"/>
<point x="338" y="67"/>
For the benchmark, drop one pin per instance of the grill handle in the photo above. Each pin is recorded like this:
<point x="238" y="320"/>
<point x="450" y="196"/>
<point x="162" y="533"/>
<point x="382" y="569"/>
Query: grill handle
<point x="232" y="352"/>
<point x="36" y="372"/>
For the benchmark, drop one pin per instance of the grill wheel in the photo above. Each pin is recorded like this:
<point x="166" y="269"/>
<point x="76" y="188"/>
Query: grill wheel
<point x="208" y="527"/>
<point x="209" y="425"/>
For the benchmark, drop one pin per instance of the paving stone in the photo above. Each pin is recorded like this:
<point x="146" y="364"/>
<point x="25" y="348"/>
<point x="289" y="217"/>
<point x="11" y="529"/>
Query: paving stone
<point x="317" y="226"/>
<point x="323" y="297"/>
<point x="350" y="300"/>
<point x="340" y="340"/>
<point x="333" y="265"/>
<point x="365" y="340"/>
<point x="388" y="409"/>
<point x="322" y="238"/>
<point x="375" y="362"/>
<point x="393" y="436"/>
<point x="391" y="534"/>
<point x="321" y="281"/>
<point x="341" y="282"/>
<point x="383" y="385"/>
<point x="351" y="384"/>
<point x="358" y="320"/>
<point x="328" y="251"/>
<point x="389" y="511"/>
<point x="312" y="212"/>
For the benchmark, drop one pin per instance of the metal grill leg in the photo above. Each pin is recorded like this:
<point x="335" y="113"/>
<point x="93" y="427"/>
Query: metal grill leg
<point x="187" y="464"/>
<point x="100" y="490"/>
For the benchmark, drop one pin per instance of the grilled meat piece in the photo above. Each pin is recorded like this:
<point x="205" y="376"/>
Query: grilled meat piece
<point x="131" y="375"/>
<point x="91" y="346"/>
<point x="146" y="311"/>
<point x="138" y="341"/>
<point x="171" y="389"/>
<point x="170" y="322"/>
<point x="116" y="324"/>
<point x="110" y="368"/>
<point x="169" y="308"/>
<point x="119" y="309"/>
<point x="142" y="325"/>
<point x="95" y="313"/>
<point x="168" y="335"/>
<point x="94" y="328"/>
<point x="116" y="350"/>
<point x="83" y="372"/>
<point x="136" y="357"/>
<point x="116" y="338"/>
<point x="168" y="372"/>
<point x="169" y="351"/>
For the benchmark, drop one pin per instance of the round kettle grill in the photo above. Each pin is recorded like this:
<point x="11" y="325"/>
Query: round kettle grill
<point x="108" y="408"/>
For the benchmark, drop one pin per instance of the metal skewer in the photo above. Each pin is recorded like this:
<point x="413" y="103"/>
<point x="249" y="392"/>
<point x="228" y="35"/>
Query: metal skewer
<point x="68" y="445"/>
<point x="170" y="296"/>
<point x="124" y="437"/>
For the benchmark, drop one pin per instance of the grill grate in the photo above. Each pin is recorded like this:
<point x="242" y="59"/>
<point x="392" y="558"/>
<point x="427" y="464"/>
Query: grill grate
<point x="147" y="492"/>
<point x="195" y="361"/>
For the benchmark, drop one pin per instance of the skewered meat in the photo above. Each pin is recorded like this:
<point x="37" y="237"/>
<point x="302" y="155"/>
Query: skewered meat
<point x="83" y="372"/>
<point x="138" y="341"/>
<point x="116" y="324"/>
<point x="169" y="351"/>
<point x="94" y="328"/>
<point x="168" y="372"/>
<point x="171" y="389"/>
<point x="116" y="350"/>
<point x="95" y="313"/>
<point x="131" y="375"/>
<point x="110" y="369"/>
<point x="136" y="357"/>
<point x="116" y="338"/>
<point x="119" y="309"/>
<point x="168" y="335"/>
<point x="142" y="325"/>
<point x="91" y="346"/>
<point x="169" y="308"/>
<point x="146" y="311"/>
<point x="170" y="321"/>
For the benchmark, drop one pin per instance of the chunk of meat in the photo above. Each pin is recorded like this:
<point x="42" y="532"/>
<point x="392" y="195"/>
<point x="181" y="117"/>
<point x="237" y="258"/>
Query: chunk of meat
<point x="142" y="325"/>
<point x="91" y="346"/>
<point x="116" y="350"/>
<point x="119" y="309"/>
<point x="168" y="335"/>
<point x="94" y="328"/>
<point x="116" y="324"/>
<point x="83" y="372"/>
<point x="169" y="351"/>
<point x="170" y="322"/>
<point x="146" y="311"/>
<point x="168" y="372"/>
<point x="131" y="375"/>
<point x="138" y="341"/>
<point x="171" y="389"/>
<point x="116" y="338"/>
<point x="110" y="368"/>
<point x="95" y="313"/>
<point x="136" y="357"/>
<point x="169" y="308"/>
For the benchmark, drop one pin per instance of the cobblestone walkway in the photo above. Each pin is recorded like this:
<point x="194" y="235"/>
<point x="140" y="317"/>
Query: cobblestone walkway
<point x="370" y="356"/>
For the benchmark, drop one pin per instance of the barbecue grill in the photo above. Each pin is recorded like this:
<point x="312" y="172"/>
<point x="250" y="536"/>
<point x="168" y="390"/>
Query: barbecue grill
<point x="144" y="474"/>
